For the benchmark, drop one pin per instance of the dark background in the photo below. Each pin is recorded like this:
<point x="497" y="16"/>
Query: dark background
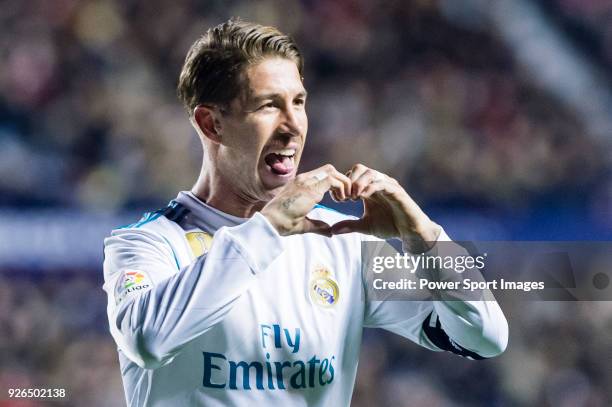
<point x="495" y="115"/>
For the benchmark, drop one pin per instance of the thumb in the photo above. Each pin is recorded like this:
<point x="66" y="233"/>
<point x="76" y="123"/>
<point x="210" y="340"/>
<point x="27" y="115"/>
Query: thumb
<point x="349" y="226"/>
<point x="316" y="226"/>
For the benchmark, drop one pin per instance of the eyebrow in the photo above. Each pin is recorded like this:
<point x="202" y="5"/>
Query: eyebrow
<point x="303" y="94"/>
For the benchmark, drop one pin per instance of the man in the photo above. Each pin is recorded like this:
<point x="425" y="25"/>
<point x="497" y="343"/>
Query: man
<point x="244" y="289"/>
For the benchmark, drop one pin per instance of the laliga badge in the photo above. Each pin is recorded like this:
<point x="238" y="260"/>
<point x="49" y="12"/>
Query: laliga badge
<point x="199" y="242"/>
<point x="323" y="288"/>
<point x="131" y="281"/>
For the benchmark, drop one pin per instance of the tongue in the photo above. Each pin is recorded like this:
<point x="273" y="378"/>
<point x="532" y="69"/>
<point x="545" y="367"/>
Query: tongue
<point x="280" y="164"/>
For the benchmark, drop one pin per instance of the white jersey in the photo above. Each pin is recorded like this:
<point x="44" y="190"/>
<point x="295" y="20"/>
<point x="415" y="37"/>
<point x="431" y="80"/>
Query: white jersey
<point x="251" y="317"/>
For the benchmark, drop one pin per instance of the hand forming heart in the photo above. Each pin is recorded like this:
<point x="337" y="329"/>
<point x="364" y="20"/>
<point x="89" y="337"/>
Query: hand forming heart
<point x="388" y="209"/>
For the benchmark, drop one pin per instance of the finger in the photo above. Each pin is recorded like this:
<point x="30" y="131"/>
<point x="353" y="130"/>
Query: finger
<point x="372" y="189"/>
<point x="336" y="188"/>
<point x="365" y="179"/>
<point x="322" y="180"/>
<point x="334" y="194"/>
<point x="340" y="196"/>
<point x="330" y="171"/>
<point x="319" y="173"/>
<point x="330" y="182"/>
<point x="316" y="226"/>
<point x="334" y="197"/>
<point x="356" y="171"/>
<point x="354" y="174"/>
<point x="350" y="226"/>
<point x="344" y="191"/>
<point x="346" y="184"/>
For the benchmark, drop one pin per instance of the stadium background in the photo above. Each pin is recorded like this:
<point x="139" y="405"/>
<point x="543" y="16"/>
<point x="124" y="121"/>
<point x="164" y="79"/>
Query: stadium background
<point x="495" y="115"/>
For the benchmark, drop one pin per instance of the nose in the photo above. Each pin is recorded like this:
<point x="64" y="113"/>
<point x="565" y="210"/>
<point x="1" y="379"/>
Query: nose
<point x="292" y="121"/>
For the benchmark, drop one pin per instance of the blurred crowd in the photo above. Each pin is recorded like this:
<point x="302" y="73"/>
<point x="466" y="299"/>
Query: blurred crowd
<point x="590" y="21"/>
<point x="89" y="120"/>
<point x="54" y="334"/>
<point x="89" y="116"/>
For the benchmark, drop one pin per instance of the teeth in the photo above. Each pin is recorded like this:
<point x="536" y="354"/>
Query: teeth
<point x="288" y="152"/>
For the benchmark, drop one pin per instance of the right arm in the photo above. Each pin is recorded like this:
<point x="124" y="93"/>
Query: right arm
<point x="153" y="318"/>
<point x="167" y="308"/>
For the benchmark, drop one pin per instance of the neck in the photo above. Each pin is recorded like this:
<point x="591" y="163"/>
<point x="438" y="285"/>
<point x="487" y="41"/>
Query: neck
<point x="220" y="195"/>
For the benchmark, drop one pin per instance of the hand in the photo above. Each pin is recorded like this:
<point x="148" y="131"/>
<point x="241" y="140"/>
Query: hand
<point x="287" y="211"/>
<point x="388" y="211"/>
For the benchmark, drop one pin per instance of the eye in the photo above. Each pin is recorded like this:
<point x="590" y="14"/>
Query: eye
<point x="269" y="105"/>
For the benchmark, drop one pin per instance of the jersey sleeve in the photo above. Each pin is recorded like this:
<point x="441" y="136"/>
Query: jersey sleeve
<point x="469" y="327"/>
<point x="155" y="308"/>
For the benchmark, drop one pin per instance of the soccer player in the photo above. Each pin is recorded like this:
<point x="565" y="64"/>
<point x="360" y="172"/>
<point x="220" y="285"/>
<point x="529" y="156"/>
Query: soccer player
<point x="244" y="290"/>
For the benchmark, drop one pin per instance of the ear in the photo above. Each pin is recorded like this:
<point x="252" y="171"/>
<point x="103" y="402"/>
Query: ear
<point x="206" y="118"/>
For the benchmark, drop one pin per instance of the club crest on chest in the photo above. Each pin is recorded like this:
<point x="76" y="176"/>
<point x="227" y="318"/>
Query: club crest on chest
<point x="323" y="288"/>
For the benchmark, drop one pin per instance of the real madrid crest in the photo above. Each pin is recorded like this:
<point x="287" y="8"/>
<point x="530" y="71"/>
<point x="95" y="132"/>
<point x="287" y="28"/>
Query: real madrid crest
<point x="323" y="288"/>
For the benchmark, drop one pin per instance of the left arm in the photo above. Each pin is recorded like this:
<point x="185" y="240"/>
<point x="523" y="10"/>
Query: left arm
<point x="475" y="328"/>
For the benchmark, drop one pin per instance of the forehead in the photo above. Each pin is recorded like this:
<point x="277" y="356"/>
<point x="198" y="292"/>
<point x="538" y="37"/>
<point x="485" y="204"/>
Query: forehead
<point x="273" y="76"/>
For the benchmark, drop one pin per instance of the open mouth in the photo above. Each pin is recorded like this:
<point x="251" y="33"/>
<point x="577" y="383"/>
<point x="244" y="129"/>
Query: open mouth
<point x="281" y="162"/>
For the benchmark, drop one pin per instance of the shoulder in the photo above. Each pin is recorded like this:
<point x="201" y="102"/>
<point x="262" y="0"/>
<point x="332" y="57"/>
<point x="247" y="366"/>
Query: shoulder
<point x="154" y="241"/>
<point x="153" y="228"/>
